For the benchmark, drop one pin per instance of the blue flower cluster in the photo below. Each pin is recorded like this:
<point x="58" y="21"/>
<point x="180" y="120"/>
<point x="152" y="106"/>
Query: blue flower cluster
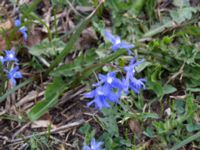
<point x="10" y="57"/>
<point x="110" y="88"/>
<point x="14" y="73"/>
<point x="22" y="29"/>
<point x="93" y="145"/>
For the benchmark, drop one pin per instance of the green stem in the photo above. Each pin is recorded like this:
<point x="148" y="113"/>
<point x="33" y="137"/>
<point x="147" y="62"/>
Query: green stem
<point x="186" y="141"/>
<point x="138" y="6"/>
<point x="33" y="6"/>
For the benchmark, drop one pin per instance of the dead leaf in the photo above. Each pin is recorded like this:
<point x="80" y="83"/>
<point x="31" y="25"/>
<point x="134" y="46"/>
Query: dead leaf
<point x="2" y="43"/>
<point x="134" y="126"/>
<point x="6" y="25"/>
<point x="61" y="147"/>
<point x="42" y="124"/>
<point x="35" y="36"/>
<point x="84" y="9"/>
<point x="5" y="35"/>
<point x="88" y="37"/>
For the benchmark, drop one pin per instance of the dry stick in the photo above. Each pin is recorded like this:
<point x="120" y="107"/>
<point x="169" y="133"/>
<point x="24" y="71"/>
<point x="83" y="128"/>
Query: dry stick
<point x="64" y="127"/>
<point x="72" y="7"/>
<point x="69" y="96"/>
<point x="29" y="98"/>
<point x="26" y="99"/>
<point x="20" y="130"/>
<point x="23" y="146"/>
<point x="176" y="74"/>
<point x="60" y="141"/>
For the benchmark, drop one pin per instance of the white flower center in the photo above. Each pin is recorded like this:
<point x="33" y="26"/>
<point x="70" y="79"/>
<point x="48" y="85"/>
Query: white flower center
<point x="100" y="92"/>
<point x="11" y="56"/>
<point x="117" y="41"/>
<point x="109" y="80"/>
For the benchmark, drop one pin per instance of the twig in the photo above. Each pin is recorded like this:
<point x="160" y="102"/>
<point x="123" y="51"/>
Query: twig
<point x="176" y="74"/>
<point x="72" y="7"/>
<point x="71" y="94"/>
<point x="29" y="97"/>
<point x="20" y="130"/>
<point x="64" y="127"/>
<point x="60" y="141"/>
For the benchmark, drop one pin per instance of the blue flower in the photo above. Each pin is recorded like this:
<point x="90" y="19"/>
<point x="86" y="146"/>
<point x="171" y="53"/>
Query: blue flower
<point x="130" y="81"/>
<point x="93" y="145"/>
<point x="137" y="84"/>
<point x="130" y="69"/>
<point x="2" y="59"/>
<point x="111" y="83"/>
<point x="101" y="95"/>
<point x="10" y="56"/>
<point x="117" y="43"/>
<point x="22" y="29"/>
<point x="14" y="74"/>
<point x="109" y="80"/>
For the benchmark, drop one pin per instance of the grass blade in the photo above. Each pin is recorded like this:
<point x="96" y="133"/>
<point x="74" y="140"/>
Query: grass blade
<point x="186" y="141"/>
<point x="52" y="93"/>
<point x="3" y="97"/>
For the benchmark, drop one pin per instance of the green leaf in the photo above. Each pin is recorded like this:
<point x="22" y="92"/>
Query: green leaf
<point x="59" y="3"/>
<point x="182" y="14"/>
<point x="186" y="141"/>
<point x="142" y="66"/>
<point x="159" y="29"/>
<point x="52" y="93"/>
<point x="192" y="127"/>
<point x="191" y="107"/>
<point x="179" y="107"/>
<point x="42" y="107"/>
<point x="156" y="87"/>
<point x="150" y="116"/>
<point x="110" y="121"/>
<point x="75" y="66"/>
<point x="149" y="132"/>
<point x="192" y="30"/>
<point x="47" y="48"/>
<point x="181" y="3"/>
<point x="54" y="88"/>
<point x="138" y="6"/>
<point x="168" y="89"/>
<point x="110" y="125"/>
<point x="193" y="89"/>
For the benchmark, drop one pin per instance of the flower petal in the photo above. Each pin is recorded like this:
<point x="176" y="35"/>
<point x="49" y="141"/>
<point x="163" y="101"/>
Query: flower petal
<point x="89" y="94"/>
<point x="109" y="36"/>
<point x="17" y="22"/>
<point x="17" y="75"/>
